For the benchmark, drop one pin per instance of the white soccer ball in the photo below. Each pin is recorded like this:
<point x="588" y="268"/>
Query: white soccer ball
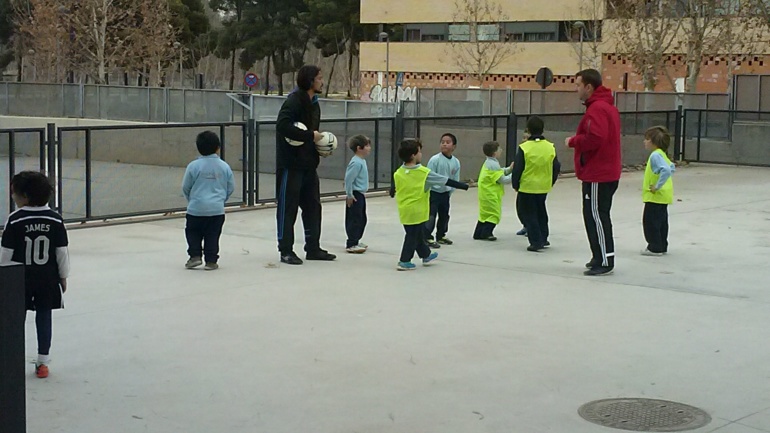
<point x="327" y="144"/>
<point x="301" y="126"/>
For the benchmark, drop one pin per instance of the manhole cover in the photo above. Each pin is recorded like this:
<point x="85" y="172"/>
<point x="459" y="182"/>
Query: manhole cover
<point x="644" y="414"/>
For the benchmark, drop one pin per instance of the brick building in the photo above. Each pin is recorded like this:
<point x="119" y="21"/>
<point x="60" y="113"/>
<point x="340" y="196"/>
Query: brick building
<point x="544" y="36"/>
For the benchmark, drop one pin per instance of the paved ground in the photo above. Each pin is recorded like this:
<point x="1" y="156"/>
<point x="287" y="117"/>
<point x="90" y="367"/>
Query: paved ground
<point x="491" y="339"/>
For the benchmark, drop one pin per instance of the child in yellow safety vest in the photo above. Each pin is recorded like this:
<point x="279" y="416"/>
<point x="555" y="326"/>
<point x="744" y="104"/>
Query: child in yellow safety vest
<point x="657" y="191"/>
<point x="412" y="191"/>
<point x="535" y="170"/>
<point x="490" y="188"/>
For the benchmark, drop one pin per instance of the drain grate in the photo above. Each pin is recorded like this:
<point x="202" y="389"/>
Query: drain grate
<point x="644" y="414"/>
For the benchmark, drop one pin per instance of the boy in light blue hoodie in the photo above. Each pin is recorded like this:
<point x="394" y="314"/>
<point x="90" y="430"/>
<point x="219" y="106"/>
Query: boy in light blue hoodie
<point x="208" y="184"/>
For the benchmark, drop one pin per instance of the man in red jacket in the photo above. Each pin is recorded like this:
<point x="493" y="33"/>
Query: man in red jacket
<point x="598" y="166"/>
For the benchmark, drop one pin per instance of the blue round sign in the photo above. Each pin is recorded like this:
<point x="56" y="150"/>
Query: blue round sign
<point x="251" y="80"/>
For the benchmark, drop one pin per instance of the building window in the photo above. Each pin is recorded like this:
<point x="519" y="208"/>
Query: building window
<point x="538" y="37"/>
<point x="488" y="32"/>
<point x="459" y="32"/>
<point x="413" y="35"/>
<point x="433" y="38"/>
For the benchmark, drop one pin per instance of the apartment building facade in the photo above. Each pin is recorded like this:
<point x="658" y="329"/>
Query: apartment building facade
<point x="542" y="34"/>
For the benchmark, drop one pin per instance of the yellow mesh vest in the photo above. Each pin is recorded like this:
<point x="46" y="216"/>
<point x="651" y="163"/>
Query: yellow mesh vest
<point x="490" y="195"/>
<point x="537" y="177"/>
<point x="413" y="201"/>
<point x="665" y="195"/>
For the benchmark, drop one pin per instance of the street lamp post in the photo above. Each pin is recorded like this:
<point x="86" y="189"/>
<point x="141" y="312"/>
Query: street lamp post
<point x="386" y="36"/>
<point x="580" y="25"/>
<point x="178" y="46"/>
<point x="34" y="65"/>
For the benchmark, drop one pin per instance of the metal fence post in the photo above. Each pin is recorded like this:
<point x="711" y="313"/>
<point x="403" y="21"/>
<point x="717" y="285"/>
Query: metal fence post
<point x="82" y="92"/>
<point x="11" y="164"/>
<point x="398" y="136"/>
<point x="245" y="162"/>
<point x="376" y="152"/>
<point x="678" y="134"/>
<point x="89" y="196"/>
<point x="7" y="98"/>
<point x="222" y="140"/>
<point x="697" y="150"/>
<point x="253" y="161"/>
<point x="51" y="163"/>
<point x="13" y="416"/>
<point x="511" y="138"/>
<point x="684" y="135"/>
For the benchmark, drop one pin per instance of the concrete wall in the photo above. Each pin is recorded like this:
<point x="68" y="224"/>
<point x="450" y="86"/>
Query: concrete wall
<point x="749" y="145"/>
<point x="435" y="57"/>
<point x="437" y="11"/>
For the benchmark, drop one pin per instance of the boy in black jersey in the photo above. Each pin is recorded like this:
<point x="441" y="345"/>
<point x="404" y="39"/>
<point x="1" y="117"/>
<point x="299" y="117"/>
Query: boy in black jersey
<point x="35" y="236"/>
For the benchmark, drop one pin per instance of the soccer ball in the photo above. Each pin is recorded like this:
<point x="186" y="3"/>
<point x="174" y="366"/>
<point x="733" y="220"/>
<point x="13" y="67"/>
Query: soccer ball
<point x="301" y="126"/>
<point x="327" y="144"/>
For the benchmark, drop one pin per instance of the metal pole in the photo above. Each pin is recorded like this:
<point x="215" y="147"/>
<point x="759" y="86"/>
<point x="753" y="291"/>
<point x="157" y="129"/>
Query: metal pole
<point x="581" y="48"/>
<point x="376" y="153"/>
<point x="13" y="416"/>
<point x="11" y="164"/>
<point x="89" y="198"/>
<point x="387" y="70"/>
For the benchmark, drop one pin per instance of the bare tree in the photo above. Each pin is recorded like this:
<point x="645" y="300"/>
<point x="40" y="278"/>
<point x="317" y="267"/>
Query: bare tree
<point x="649" y="32"/>
<point x="102" y="33"/>
<point x="591" y="48"/>
<point x="476" y="42"/>
<point x="43" y="30"/>
<point x="152" y="40"/>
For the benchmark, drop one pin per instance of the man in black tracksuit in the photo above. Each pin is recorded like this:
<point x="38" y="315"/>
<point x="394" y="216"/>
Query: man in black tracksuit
<point x="297" y="184"/>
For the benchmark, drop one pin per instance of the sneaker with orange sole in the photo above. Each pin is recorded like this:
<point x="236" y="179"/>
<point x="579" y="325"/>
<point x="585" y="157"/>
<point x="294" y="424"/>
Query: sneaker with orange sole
<point x="41" y="371"/>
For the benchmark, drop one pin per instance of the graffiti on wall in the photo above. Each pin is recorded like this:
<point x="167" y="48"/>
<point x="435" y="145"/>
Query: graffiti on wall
<point x="379" y="94"/>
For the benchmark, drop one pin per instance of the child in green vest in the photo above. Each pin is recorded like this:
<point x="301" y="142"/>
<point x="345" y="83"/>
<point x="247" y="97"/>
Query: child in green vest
<point x="490" y="189"/>
<point x="535" y="170"/>
<point x="412" y="191"/>
<point x="657" y="191"/>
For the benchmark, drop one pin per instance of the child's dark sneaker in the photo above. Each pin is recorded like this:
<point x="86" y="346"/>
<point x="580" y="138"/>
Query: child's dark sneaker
<point x="406" y="266"/>
<point x="445" y="241"/>
<point x="194" y="262"/>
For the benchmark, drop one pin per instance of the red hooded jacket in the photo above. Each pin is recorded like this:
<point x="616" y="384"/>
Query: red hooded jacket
<point x="597" y="141"/>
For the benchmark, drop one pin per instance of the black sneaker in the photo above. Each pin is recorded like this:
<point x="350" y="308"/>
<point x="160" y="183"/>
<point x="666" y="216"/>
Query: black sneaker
<point x="598" y="271"/>
<point x="433" y="244"/>
<point x="321" y="255"/>
<point x="535" y="248"/>
<point x="445" y="241"/>
<point x="590" y="264"/>
<point x="546" y="244"/>
<point x="492" y="238"/>
<point x="291" y="259"/>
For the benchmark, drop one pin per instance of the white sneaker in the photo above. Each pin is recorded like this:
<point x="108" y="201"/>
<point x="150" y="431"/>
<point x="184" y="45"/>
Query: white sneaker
<point x="646" y="252"/>
<point x="356" y="249"/>
<point x="363" y="245"/>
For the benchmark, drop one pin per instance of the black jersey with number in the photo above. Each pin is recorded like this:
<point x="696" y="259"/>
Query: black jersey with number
<point x="34" y="234"/>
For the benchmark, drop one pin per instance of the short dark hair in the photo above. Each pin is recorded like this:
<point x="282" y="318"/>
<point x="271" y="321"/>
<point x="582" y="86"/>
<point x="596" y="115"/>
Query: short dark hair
<point x="207" y="143"/>
<point x="659" y="137"/>
<point x="490" y="147"/>
<point x="306" y="75"/>
<point x="452" y="136"/>
<point x="409" y="148"/>
<point x="358" y="142"/>
<point x="34" y="186"/>
<point x="590" y="76"/>
<point x="535" y="126"/>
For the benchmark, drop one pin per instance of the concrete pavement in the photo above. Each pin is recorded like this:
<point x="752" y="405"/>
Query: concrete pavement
<point x="490" y="339"/>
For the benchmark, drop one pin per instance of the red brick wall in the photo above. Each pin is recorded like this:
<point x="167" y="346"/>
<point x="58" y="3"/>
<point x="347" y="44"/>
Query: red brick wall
<point x="712" y="79"/>
<point x="458" y="80"/>
<point x="713" y="76"/>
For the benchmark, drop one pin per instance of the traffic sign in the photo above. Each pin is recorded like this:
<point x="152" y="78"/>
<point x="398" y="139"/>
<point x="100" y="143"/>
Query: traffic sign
<point x="400" y="79"/>
<point x="251" y="80"/>
<point x="544" y="77"/>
